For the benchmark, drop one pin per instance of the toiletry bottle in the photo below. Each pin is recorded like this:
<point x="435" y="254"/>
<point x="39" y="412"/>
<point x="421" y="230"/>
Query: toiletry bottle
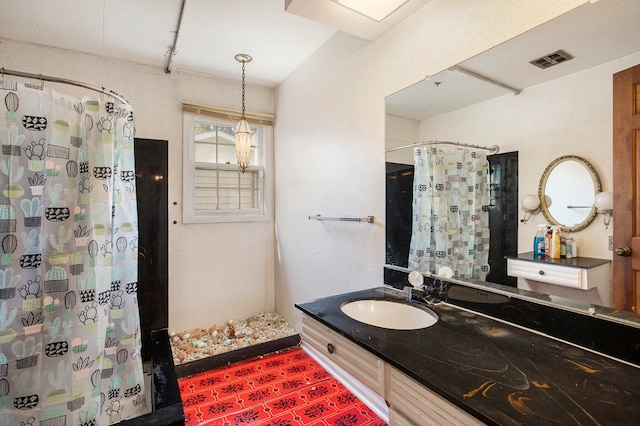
<point x="547" y="242"/>
<point x="538" y="241"/>
<point x="555" y="243"/>
<point x="574" y="248"/>
<point x="569" y="247"/>
<point x="563" y="246"/>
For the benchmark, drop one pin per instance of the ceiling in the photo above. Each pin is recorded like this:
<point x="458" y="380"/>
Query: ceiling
<point x="211" y="32"/>
<point x="594" y="33"/>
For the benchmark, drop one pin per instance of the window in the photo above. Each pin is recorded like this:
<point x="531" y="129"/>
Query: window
<point x="215" y="190"/>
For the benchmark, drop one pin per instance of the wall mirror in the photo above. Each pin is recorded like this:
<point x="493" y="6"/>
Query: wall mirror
<point x="567" y="188"/>
<point x="597" y="33"/>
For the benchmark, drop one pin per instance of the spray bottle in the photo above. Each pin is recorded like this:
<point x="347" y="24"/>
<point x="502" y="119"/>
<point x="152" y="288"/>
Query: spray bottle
<point x="539" y="240"/>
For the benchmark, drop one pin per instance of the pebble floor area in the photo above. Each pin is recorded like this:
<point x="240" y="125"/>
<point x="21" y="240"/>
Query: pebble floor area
<point x="200" y="343"/>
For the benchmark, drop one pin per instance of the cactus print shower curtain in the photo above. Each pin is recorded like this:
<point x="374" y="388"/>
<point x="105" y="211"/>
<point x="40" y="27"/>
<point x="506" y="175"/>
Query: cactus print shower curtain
<point x="450" y="212"/>
<point x="69" y="323"/>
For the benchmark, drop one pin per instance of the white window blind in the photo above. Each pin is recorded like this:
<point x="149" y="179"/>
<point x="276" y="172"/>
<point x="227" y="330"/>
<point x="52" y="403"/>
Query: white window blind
<point x="214" y="188"/>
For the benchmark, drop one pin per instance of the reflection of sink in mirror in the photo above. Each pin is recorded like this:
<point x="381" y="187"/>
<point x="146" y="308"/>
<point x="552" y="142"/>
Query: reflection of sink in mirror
<point x="388" y="314"/>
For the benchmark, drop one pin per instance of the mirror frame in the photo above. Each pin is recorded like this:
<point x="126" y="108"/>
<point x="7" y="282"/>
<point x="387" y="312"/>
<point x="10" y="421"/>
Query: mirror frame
<point x="543" y="183"/>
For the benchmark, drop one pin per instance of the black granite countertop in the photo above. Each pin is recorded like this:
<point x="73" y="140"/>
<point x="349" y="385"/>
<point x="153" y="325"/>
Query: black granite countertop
<point x="499" y="373"/>
<point x="576" y="262"/>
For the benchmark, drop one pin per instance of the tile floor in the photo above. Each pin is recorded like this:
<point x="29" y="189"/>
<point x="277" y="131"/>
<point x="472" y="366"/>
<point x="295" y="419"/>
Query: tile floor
<point x="286" y="388"/>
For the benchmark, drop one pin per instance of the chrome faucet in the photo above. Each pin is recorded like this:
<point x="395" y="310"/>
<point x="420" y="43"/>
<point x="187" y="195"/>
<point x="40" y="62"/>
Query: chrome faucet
<point x="414" y="293"/>
<point x="432" y="293"/>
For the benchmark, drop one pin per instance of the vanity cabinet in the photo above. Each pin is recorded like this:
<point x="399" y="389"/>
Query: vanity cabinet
<point x="473" y="367"/>
<point x="396" y="418"/>
<point x="409" y="403"/>
<point x="359" y="363"/>
<point x="582" y="274"/>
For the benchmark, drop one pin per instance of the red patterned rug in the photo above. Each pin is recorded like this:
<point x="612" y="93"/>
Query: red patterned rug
<point x="288" y="388"/>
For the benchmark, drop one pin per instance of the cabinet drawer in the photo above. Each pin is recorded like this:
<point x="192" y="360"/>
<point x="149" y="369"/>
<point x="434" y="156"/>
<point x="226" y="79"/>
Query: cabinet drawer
<point x="356" y="361"/>
<point x="552" y="274"/>
<point x="421" y="406"/>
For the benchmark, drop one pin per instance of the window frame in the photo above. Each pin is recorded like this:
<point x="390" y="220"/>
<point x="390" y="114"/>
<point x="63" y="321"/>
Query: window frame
<point x="263" y="140"/>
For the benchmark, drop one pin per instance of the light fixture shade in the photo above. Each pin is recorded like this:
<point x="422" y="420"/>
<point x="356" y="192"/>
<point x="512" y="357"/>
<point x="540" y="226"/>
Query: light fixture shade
<point x="243" y="140"/>
<point x="530" y="202"/>
<point x="374" y="9"/>
<point x="603" y="201"/>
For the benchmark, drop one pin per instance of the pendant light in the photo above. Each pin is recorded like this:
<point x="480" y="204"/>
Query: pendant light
<point x="243" y="133"/>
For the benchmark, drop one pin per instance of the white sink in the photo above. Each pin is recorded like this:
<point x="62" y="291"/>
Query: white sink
<point x="389" y="314"/>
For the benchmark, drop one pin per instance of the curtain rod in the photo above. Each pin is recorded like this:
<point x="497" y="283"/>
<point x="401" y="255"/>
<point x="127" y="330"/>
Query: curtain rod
<point x="494" y="149"/>
<point x="484" y="78"/>
<point x="43" y="78"/>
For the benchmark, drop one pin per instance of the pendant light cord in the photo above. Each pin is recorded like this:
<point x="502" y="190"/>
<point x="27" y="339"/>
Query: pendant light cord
<point x="243" y="89"/>
<point x="243" y="58"/>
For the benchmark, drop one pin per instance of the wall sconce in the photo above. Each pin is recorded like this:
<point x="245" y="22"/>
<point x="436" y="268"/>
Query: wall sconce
<point x="531" y="206"/>
<point x="603" y="203"/>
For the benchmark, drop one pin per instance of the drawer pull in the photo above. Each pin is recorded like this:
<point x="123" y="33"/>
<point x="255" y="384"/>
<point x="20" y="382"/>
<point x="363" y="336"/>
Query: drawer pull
<point x="330" y="348"/>
<point x="541" y="272"/>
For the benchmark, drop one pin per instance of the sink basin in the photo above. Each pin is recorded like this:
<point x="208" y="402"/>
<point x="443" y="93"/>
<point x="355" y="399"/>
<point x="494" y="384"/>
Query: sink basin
<point x="389" y="314"/>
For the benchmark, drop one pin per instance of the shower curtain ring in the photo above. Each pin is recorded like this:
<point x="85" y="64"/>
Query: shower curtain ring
<point x="2" y="78"/>
<point x="41" y="82"/>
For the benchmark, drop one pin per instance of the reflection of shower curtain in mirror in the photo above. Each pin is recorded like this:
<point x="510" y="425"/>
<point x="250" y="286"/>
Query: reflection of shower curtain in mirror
<point x="450" y="211"/>
<point x="69" y="324"/>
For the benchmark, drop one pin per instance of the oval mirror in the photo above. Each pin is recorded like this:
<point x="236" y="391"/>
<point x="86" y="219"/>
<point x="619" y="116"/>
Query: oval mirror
<point x="567" y="188"/>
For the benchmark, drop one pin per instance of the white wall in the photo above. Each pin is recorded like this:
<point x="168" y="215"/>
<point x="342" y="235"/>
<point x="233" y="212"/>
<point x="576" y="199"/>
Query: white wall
<point x="568" y="116"/>
<point x="216" y="271"/>
<point x="330" y="137"/>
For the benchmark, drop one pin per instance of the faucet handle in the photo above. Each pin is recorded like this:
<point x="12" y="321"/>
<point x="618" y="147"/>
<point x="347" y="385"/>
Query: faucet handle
<point x="408" y="291"/>
<point x="416" y="279"/>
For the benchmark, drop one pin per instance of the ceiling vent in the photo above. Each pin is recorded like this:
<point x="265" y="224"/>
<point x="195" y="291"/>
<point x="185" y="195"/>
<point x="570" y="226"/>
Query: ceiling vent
<point x="551" y="59"/>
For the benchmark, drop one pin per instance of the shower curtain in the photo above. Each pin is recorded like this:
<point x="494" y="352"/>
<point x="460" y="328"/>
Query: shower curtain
<point x="450" y="212"/>
<point x="69" y="325"/>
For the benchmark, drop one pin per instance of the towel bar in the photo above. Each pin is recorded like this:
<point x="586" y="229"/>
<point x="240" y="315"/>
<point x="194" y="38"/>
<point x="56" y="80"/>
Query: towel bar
<point x="368" y="219"/>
